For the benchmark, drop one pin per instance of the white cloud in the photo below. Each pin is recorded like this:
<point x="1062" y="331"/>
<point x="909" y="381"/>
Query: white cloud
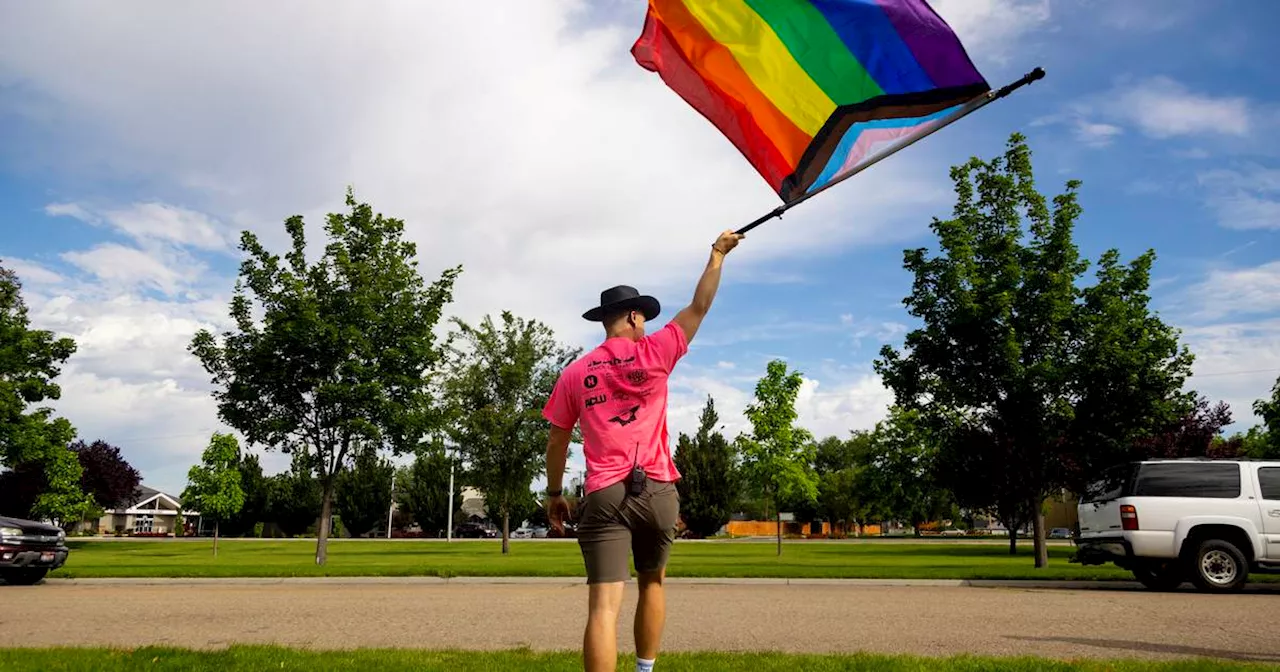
<point x="1239" y="291"/>
<point x="830" y="405"/>
<point x="1140" y="17"/>
<point x="1237" y="358"/>
<point x="1162" y="108"/>
<point x="1236" y="362"/>
<point x="1159" y="107"/>
<point x="30" y="273"/>
<point x="1244" y="199"/>
<point x="153" y="222"/>
<point x="171" y="224"/>
<point x="993" y="27"/>
<point x="1095" y="134"/>
<point x="69" y="210"/>
<point x="129" y="267"/>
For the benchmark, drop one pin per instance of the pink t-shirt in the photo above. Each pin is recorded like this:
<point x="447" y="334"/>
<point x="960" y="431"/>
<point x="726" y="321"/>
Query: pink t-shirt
<point x="618" y="392"/>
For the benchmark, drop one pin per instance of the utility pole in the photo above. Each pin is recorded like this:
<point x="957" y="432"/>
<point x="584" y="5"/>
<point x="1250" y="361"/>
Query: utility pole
<point x="392" y="508"/>
<point x="448" y="502"/>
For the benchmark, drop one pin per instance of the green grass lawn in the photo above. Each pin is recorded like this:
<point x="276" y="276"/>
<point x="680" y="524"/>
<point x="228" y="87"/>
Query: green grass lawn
<point x="255" y="558"/>
<point x="273" y="658"/>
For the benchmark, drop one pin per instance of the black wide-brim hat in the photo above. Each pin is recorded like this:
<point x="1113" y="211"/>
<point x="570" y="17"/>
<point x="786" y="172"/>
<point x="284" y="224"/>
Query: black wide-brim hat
<point x="621" y="298"/>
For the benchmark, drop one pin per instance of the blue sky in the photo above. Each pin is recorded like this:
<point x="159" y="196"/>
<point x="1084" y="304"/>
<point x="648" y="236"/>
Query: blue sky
<point x="523" y="142"/>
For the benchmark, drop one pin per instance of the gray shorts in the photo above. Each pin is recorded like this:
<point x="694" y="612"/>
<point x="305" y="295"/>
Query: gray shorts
<point x="613" y="522"/>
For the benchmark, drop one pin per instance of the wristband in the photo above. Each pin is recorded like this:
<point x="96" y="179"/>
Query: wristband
<point x="555" y="493"/>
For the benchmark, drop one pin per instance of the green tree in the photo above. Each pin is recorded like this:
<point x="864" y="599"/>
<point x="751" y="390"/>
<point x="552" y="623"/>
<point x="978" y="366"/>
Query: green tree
<point x="363" y="493"/>
<point x="30" y="435"/>
<point x="293" y="497"/>
<point x="500" y="376"/>
<point x="1263" y="441"/>
<point x="422" y="490"/>
<point x="709" y="482"/>
<point x="1029" y="382"/>
<point x="777" y="455"/>
<point x="256" y="487"/>
<point x="213" y="486"/>
<point x="902" y="469"/>
<point x="843" y="497"/>
<point x="342" y="353"/>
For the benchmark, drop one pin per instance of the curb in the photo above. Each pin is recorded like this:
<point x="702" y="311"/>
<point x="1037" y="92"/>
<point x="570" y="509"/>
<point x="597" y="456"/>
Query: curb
<point x="577" y="581"/>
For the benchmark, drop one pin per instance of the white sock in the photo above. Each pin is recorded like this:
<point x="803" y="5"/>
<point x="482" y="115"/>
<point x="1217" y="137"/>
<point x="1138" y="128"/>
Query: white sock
<point x="643" y="665"/>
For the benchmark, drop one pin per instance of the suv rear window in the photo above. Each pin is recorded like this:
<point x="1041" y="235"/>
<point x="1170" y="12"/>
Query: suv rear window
<point x="1188" y="479"/>
<point x="1114" y="483"/>
<point x="1269" y="479"/>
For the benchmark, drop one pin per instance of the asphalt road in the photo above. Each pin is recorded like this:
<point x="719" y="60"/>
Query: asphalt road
<point x="549" y="614"/>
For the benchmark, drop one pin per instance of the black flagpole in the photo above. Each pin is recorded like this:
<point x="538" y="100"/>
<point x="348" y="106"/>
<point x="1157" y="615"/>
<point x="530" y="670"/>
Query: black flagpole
<point x="967" y="109"/>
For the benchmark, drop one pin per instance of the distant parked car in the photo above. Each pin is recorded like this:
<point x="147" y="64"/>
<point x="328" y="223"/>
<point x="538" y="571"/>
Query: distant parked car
<point x="1059" y="533"/>
<point x="522" y="533"/>
<point x="473" y="531"/>
<point x="29" y="550"/>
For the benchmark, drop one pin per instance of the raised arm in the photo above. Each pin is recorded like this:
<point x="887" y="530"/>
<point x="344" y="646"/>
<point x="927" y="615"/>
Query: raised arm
<point x="690" y="317"/>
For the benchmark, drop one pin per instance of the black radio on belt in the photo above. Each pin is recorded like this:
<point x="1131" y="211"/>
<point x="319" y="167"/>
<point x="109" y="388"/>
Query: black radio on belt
<point x="635" y="484"/>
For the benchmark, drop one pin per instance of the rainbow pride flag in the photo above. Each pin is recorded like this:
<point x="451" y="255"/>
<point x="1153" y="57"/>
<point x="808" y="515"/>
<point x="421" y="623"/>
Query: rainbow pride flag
<point x="809" y="89"/>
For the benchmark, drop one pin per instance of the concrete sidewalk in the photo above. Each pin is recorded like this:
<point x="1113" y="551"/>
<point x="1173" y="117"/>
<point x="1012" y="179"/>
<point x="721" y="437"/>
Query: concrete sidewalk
<point x="549" y="614"/>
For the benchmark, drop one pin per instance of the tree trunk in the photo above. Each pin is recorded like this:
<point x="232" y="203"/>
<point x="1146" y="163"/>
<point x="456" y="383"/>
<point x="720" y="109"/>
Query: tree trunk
<point x="1013" y="539"/>
<point x="1037" y="526"/>
<point x="915" y="529"/>
<point x="506" y="533"/>
<point x="215" y="538"/>
<point x="322" y="531"/>
<point x="778" y="520"/>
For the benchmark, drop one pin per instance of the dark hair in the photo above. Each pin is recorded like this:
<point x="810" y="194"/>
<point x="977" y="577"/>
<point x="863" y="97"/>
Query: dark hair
<point x="614" y="315"/>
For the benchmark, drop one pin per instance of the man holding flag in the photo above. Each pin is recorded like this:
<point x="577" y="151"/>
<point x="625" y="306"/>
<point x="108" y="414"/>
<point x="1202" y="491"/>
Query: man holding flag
<point x="617" y="393"/>
<point x="811" y="93"/>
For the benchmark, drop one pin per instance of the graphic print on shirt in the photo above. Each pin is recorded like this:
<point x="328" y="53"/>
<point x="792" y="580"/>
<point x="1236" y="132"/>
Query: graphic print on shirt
<point x="626" y="417"/>
<point x="626" y="381"/>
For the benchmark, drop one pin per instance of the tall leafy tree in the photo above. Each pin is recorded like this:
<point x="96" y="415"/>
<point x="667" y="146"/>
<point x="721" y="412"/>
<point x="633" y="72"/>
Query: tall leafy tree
<point x="422" y="490"/>
<point x="30" y="435"/>
<point x="342" y="353"/>
<point x="777" y="455"/>
<point x="500" y="375"/>
<point x="363" y="493"/>
<point x="710" y="482"/>
<point x="213" y="486"/>
<point x="106" y="475"/>
<point x="1029" y="382"/>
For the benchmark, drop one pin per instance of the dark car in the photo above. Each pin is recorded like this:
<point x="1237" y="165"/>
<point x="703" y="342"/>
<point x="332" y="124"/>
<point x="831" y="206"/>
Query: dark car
<point x="29" y="550"/>
<point x="473" y="531"/>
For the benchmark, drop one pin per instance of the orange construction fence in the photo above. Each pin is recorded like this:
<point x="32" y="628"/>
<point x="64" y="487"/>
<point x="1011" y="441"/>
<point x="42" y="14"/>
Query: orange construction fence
<point x="769" y="528"/>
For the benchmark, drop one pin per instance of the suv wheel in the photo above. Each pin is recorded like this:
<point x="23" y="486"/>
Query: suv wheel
<point x="23" y="577"/>
<point x="1162" y="576"/>
<point x="1218" y="566"/>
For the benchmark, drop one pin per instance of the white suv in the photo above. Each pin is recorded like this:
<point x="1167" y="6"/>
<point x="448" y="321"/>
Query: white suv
<point x="1207" y="521"/>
